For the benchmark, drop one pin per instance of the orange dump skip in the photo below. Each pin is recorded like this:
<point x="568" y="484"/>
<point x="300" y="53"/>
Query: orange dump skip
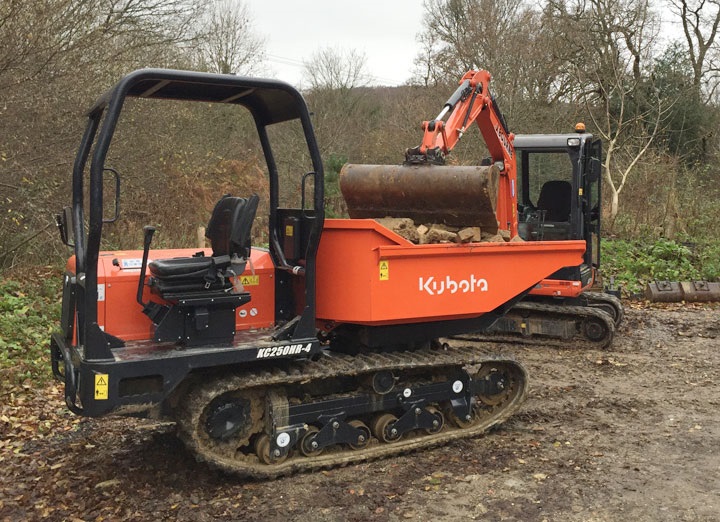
<point x="367" y="274"/>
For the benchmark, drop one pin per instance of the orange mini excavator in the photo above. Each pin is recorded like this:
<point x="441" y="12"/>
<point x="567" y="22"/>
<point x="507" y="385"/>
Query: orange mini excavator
<point x="554" y="195"/>
<point x="320" y="349"/>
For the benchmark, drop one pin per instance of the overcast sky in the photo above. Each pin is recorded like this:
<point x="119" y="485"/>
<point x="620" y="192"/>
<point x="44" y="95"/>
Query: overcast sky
<point x="384" y="30"/>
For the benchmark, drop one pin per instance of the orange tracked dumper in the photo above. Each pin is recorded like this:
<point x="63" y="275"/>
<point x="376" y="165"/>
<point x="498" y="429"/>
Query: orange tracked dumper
<point x="320" y="349"/>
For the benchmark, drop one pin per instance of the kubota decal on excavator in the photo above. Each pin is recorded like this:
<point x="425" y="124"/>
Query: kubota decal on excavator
<point x="503" y="139"/>
<point x="440" y="286"/>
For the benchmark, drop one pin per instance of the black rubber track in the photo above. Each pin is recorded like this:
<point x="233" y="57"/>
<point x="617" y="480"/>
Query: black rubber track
<point x="189" y="415"/>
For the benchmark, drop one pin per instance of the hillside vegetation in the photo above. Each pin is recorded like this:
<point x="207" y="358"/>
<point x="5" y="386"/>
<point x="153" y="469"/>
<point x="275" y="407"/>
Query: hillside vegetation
<point x="653" y="102"/>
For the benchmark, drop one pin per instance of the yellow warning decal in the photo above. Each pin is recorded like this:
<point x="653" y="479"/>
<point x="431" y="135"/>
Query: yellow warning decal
<point x="251" y="280"/>
<point x="580" y="191"/>
<point x="289" y="230"/>
<point x="384" y="267"/>
<point x="101" y="386"/>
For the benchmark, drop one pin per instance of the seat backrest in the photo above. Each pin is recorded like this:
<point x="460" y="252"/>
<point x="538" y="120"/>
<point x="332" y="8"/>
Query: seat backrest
<point x="230" y="225"/>
<point x="555" y="200"/>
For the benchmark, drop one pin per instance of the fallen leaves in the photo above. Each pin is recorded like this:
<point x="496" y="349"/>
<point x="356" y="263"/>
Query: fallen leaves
<point x="96" y="469"/>
<point x="107" y="484"/>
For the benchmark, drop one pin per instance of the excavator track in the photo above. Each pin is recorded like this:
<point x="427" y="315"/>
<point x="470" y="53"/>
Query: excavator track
<point x="246" y="452"/>
<point x="563" y="326"/>
<point x="607" y="303"/>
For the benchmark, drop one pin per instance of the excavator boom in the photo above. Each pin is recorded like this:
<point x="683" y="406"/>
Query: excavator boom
<point x="471" y="103"/>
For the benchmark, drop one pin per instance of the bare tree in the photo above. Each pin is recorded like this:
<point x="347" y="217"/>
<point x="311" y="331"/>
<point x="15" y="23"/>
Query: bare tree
<point x="510" y="38"/>
<point x="55" y="57"/>
<point x="425" y="73"/>
<point x="228" y="43"/>
<point x="474" y="34"/>
<point x="608" y="45"/>
<point x="700" y="21"/>
<point x="60" y="37"/>
<point x="338" y="100"/>
<point x="336" y="69"/>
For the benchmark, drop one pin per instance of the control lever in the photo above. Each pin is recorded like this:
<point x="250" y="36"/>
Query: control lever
<point x="149" y="231"/>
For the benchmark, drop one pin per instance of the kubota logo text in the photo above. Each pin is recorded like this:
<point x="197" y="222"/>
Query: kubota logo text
<point x="439" y="286"/>
<point x="504" y="140"/>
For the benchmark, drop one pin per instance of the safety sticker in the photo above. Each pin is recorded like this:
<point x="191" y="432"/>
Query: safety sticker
<point x="101" y="386"/>
<point x="384" y="267"/>
<point x="250" y="280"/>
<point x="289" y="230"/>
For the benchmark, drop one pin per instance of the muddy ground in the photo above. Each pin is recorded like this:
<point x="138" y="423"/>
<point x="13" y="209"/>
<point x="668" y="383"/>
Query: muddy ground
<point x="626" y="434"/>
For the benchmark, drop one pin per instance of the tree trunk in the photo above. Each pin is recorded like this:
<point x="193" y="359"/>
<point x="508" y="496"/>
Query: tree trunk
<point x="614" y="206"/>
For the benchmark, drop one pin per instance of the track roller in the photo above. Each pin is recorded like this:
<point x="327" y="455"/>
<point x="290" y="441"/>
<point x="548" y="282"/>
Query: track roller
<point x="383" y="430"/>
<point x="438" y="422"/>
<point x="364" y="438"/>
<point x="308" y="445"/>
<point x="466" y="422"/>
<point x="262" y="450"/>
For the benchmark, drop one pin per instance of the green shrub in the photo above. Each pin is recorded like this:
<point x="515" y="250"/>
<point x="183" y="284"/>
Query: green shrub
<point x="635" y="263"/>
<point x="710" y="261"/>
<point x="28" y="314"/>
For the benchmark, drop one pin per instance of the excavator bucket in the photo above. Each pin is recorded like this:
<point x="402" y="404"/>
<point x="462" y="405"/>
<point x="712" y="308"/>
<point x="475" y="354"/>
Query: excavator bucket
<point x="454" y="195"/>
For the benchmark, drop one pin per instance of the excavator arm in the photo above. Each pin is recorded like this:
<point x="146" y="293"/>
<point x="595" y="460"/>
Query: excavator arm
<point x="473" y="102"/>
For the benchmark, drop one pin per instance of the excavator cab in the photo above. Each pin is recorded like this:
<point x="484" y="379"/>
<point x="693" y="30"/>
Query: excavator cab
<point x="559" y="187"/>
<point x="559" y="200"/>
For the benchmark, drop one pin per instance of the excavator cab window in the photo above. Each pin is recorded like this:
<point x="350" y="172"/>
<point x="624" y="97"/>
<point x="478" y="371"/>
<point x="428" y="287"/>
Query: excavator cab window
<point x="546" y="170"/>
<point x="546" y="193"/>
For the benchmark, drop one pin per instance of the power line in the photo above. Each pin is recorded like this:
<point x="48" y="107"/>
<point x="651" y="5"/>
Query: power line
<point x="285" y="61"/>
<point x="282" y="60"/>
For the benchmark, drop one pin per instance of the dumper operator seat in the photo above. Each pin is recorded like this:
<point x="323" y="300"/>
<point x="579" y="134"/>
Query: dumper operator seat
<point x="229" y="234"/>
<point x="202" y="291"/>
